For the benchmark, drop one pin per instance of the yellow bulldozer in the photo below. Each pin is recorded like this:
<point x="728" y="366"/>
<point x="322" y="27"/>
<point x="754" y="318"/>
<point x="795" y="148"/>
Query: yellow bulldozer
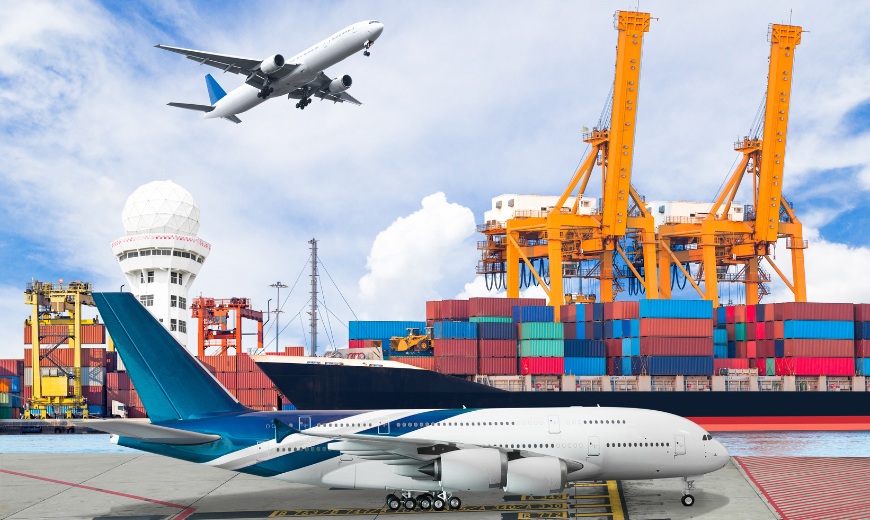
<point x="413" y="342"/>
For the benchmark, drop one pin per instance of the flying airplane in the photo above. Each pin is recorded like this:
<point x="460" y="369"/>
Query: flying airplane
<point x="301" y="77"/>
<point x="426" y="457"/>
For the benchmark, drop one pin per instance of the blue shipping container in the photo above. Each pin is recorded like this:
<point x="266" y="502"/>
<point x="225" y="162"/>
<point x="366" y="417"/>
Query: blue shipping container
<point x="862" y="366"/>
<point x="585" y="366"/>
<point x="679" y="365"/>
<point x="14" y="383"/>
<point x="95" y="409"/>
<point x="597" y="311"/>
<point x="457" y="329"/>
<point x="598" y="329"/>
<point x="720" y="337"/>
<point x="692" y="309"/>
<point x="862" y="330"/>
<point x="635" y="346"/>
<point x="626" y="366"/>
<point x="720" y="315"/>
<point x="759" y="313"/>
<point x="581" y="312"/>
<point x="626" y="346"/>
<point x="635" y="328"/>
<point x="585" y="348"/>
<point x="537" y="313"/>
<point x="382" y="329"/>
<point x="488" y="330"/>
<point x="626" y="329"/>
<point x="732" y="350"/>
<point x="581" y="330"/>
<point x="288" y="407"/>
<point x="779" y="348"/>
<point x="801" y="329"/>
<point x="720" y="351"/>
<point x="617" y="329"/>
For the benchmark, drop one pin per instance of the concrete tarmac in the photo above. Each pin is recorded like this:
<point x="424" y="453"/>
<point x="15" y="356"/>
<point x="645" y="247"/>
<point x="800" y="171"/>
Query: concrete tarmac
<point x="133" y="486"/>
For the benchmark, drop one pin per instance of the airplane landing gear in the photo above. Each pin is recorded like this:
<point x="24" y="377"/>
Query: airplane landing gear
<point x="687" y="499"/>
<point x="303" y="103"/>
<point x="367" y="45"/>
<point x="265" y="92"/>
<point x="425" y="502"/>
<point x="393" y="502"/>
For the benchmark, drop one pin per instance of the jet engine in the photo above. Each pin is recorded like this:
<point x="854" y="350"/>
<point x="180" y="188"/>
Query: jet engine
<point x="272" y="64"/>
<point x="536" y="476"/>
<point x="469" y="470"/>
<point x="340" y="84"/>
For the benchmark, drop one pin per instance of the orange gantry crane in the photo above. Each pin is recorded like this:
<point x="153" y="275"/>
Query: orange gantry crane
<point x="715" y="242"/>
<point x="214" y="318"/>
<point x="564" y="236"/>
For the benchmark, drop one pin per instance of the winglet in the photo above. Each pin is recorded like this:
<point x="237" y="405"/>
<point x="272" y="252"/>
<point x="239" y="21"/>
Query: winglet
<point x="282" y="430"/>
<point x="215" y="92"/>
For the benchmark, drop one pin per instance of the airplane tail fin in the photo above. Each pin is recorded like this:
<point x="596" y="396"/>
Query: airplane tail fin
<point x="171" y="383"/>
<point x="215" y="92"/>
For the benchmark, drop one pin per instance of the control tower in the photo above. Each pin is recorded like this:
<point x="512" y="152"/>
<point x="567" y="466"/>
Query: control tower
<point x="160" y="253"/>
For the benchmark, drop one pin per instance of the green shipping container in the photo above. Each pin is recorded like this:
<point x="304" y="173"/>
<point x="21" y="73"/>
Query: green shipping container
<point x="770" y="366"/>
<point x="535" y="330"/>
<point x="490" y="319"/>
<point x="739" y="332"/>
<point x="6" y="413"/>
<point x="542" y="348"/>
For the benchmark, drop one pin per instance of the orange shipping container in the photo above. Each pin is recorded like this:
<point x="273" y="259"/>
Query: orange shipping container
<point x="50" y="334"/>
<point x="65" y="357"/>
<point x="218" y="363"/>
<point x="295" y="351"/>
<point x="424" y="362"/>
<point x="256" y="380"/>
<point x="244" y="363"/>
<point x="228" y="380"/>
<point x="118" y="381"/>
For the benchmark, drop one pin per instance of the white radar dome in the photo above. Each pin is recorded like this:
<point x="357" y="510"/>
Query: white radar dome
<point x="161" y="207"/>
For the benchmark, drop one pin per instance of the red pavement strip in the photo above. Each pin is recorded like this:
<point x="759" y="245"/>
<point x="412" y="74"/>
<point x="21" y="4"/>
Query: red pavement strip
<point x="187" y="511"/>
<point x="812" y="488"/>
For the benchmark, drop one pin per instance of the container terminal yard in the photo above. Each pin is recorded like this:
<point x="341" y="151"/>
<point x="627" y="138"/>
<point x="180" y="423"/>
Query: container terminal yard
<point x="728" y="368"/>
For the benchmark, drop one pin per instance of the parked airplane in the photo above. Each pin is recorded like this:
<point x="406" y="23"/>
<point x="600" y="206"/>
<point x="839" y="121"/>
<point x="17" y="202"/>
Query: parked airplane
<point x="300" y="77"/>
<point x="425" y="456"/>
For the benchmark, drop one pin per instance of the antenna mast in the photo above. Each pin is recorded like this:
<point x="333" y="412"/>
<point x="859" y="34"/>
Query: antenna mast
<point x="277" y="311"/>
<point x="313" y="243"/>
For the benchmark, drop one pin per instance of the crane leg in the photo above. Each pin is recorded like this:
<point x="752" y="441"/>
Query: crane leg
<point x="664" y="270"/>
<point x="752" y="281"/>
<point x="512" y="266"/>
<point x="557" y="294"/>
<point x="798" y="274"/>
<point x="606" y="277"/>
<point x="649" y="261"/>
<point x="711" y="286"/>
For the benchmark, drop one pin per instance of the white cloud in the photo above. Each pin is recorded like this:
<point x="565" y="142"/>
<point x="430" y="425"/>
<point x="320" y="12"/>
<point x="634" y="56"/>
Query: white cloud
<point x="409" y="259"/>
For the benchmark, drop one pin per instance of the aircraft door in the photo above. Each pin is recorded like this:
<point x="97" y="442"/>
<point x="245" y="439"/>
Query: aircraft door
<point x="383" y="427"/>
<point x="304" y="422"/>
<point x="593" y="447"/>
<point x="679" y="445"/>
<point x="263" y="452"/>
<point x="553" y="422"/>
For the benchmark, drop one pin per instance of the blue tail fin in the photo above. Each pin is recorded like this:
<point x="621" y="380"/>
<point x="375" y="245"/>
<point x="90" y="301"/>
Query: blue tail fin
<point x="215" y="92"/>
<point x="171" y="383"/>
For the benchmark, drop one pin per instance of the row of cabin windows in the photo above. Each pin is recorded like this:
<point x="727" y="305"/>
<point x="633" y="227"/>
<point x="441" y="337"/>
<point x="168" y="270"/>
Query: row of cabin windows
<point x="313" y="448"/>
<point x="638" y="444"/>
<point x="419" y="424"/>
<point x="161" y="252"/>
<point x="174" y="277"/>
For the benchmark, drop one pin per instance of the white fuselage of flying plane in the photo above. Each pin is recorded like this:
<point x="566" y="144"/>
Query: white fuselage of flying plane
<point x="311" y="62"/>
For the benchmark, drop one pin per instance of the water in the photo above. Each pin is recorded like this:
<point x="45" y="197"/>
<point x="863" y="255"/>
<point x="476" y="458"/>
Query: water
<point x="780" y="444"/>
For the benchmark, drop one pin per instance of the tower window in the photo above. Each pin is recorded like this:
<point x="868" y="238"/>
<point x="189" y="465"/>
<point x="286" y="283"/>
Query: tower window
<point x="176" y="278"/>
<point x="173" y="325"/>
<point x="147" y="300"/>
<point x="182" y="326"/>
<point x="173" y="301"/>
<point x="182" y="302"/>
<point x="141" y="276"/>
<point x="150" y="276"/>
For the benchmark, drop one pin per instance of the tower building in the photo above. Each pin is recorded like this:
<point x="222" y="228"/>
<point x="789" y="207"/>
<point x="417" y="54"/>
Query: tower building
<point x="160" y="253"/>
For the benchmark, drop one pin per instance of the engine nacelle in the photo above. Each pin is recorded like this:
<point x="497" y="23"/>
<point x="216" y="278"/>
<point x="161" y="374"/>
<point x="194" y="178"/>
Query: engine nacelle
<point x="536" y="476"/>
<point x="272" y="64"/>
<point x="470" y="470"/>
<point x="340" y="84"/>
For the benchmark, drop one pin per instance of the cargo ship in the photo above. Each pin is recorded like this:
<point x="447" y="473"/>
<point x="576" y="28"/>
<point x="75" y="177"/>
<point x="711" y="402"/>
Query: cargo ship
<point x="348" y="384"/>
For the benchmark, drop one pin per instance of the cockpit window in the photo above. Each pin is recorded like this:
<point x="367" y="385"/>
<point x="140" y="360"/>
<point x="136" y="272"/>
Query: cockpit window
<point x="374" y="21"/>
<point x="707" y="437"/>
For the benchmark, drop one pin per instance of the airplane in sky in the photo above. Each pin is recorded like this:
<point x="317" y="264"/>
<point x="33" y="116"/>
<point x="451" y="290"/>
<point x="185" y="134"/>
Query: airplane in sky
<point x="301" y="77"/>
<point x="425" y="457"/>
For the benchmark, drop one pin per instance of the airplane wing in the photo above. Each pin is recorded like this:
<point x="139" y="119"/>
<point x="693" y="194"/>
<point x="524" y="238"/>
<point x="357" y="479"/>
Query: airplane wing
<point x="146" y="432"/>
<point x="235" y="64"/>
<point x="320" y="86"/>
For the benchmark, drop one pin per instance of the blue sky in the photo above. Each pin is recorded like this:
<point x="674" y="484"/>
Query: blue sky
<point x="468" y="99"/>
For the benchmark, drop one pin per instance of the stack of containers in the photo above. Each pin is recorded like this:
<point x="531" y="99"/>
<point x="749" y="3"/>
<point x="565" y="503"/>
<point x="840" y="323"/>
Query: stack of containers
<point x="622" y="325"/>
<point x="497" y="348"/>
<point x="382" y="331"/>
<point x="119" y="388"/>
<point x="542" y="342"/>
<point x="242" y="378"/>
<point x="734" y="341"/>
<point x="455" y="347"/>
<point x="96" y="362"/>
<point x="676" y="338"/>
<point x="862" y="339"/>
<point x="11" y="372"/>
<point x="818" y="339"/>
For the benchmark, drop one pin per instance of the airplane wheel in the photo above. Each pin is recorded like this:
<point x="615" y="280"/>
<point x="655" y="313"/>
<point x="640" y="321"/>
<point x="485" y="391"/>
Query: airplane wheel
<point x="409" y="503"/>
<point x="367" y="53"/>
<point x="687" y="500"/>
<point x="425" y="502"/>
<point x="438" y="504"/>
<point x="393" y="502"/>
<point x="454" y="502"/>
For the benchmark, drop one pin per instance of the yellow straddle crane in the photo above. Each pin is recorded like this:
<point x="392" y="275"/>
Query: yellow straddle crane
<point x="47" y="301"/>
<point x="413" y="342"/>
<point x="715" y="242"/>
<point x="563" y="235"/>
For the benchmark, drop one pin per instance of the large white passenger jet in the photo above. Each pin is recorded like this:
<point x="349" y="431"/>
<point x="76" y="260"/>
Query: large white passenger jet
<point x="300" y="77"/>
<point x="422" y="457"/>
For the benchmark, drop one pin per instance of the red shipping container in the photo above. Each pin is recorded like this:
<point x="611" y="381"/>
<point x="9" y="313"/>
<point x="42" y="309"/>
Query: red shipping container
<point x="815" y="366"/>
<point x="740" y="349"/>
<point x="94" y="394"/>
<point x="862" y="312"/>
<point x="739" y="314"/>
<point x="26" y="393"/>
<point x="567" y="314"/>
<point x="862" y="348"/>
<point x="499" y="307"/>
<point x="65" y="357"/>
<point x="227" y="379"/>
<point x="626" y="310"/>
<point x="821" y="348"/>
<point x="613" y="347"/>
<point x="768" y="314"/>
<point x="433" y="310"/>
<point x="675" y="347"/>
<point x="253" y="380"/>
<point x="454" y="310"/>
<point x="750" y="349"/>
<point x="505" y="348"/>
<point x="498" y="366"/>
<point x="588" y="326"/>
<point x="676" y="328"/>
<point x="734" y="364"/>
<point x="455" y="347"/>
<point x="358" y="343"/>
<point x="424" y="362"/>
<point x="588" y="314"/>
<point x="729" y="314"/>
<point x="219" y="363"/>
<point x="750" y="314"/>
<point x="570" y="330"/>
<point x="765" y="348"/>
<point x="119" y="381"/>
<point x="814" y="311"/>
<point x="750" y="332"/>
<point x="136" y="412"/>
<point x="730" y="329"/>
<point x="11" y="367"/>
<point x="774" y="329"/>
<point x="91" y="334"/>
<point x="244" y="363"/>
<point x="456" y="365"/>
<point x="295" y="351"/>
<point x="542" y="366"/>
<point x="258" y="397"/>
<point x="761" y="366"/>
<point x="760" y="330"/>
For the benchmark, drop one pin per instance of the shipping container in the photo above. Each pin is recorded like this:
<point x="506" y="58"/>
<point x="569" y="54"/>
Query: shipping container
<point x="773" y="329"/>
<point x="679" y="365"/>
<point x="729" y="315"/>
<point x="811" y="311"/>
<point x="424" y="362"/>
<point x="862" y="366"/>
<point x="382" y="329"/>
<point x="760" y="330"/>
<point x="676" y="328"/>
<point x="454" y="310"/>
<point x="862" y="348"/>
<point x="51" y="334"/>
<point x="294" y="351"/>
<point x="455" y="347"/>
<point x="814" y="366"/>
<point x="585" y="348"/>
<point x="542" y="348"/>
<point x="532" y="330"/>
<point x="491" y="319"/>
<point x="497" y="366"/>
<point x="532" y="313"/>
<point x="585" y="366"/>
<point x="65" y="357"/>
<point x="720" y="315"/>
<point x="861" y="312"/>
<point x="497" y="348"/>
<point x="11" y="367"/>
<point x="750" y="314"/>
<point x="219" y="363"/>
<point x="570" y="330"/>
<point x="568" y="313"/>
<point x="229" y="380"/>
<point x="613" y="329"/>
<point x="244" y="363"/>
<point x="732" y="349"/>
<point x="499" y="306"/>
<point x="118" y="381"/>
<point x="455" y="330"/>
<point x="257" y="397"/>
<point x="659" y="346"/>
<point x="862" y="330"/>
<point x="613" y="347"/>
<point x="796" y="329"/>
<point x="750" y="331"/>
<point x="542" y="366"/>
<point x="779" y="348"/>
<point x="356" y="343"/>
<point x="720" y="337"/>
<point x="456" y="365"/>
<point x="739" y="332"/>
<point x="739" y="314"/>
<point x="596" y="329"/>
<point x="10" y="384"/>
<point x="719" y="364"/>
<point x="253" y="380"/>
<point x="761" y="366"/>
<point x="720" y="351"/>
<point x="497" y="331"/>
<point x="760" y="312"/>
<point x="433" y="310"/>
<point x="827" y="348"/>
<point x="686" y="309"/>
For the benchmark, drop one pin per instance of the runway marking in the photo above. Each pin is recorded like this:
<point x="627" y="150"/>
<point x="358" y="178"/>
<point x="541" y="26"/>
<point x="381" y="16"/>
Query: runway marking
<point x="543" y="497"/>
<point x="186" y="511"/>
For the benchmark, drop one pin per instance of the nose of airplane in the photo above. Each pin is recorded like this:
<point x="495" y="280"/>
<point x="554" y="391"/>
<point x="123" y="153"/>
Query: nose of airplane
<point x="721" y="453"/>
<point x="376" y="30"/>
